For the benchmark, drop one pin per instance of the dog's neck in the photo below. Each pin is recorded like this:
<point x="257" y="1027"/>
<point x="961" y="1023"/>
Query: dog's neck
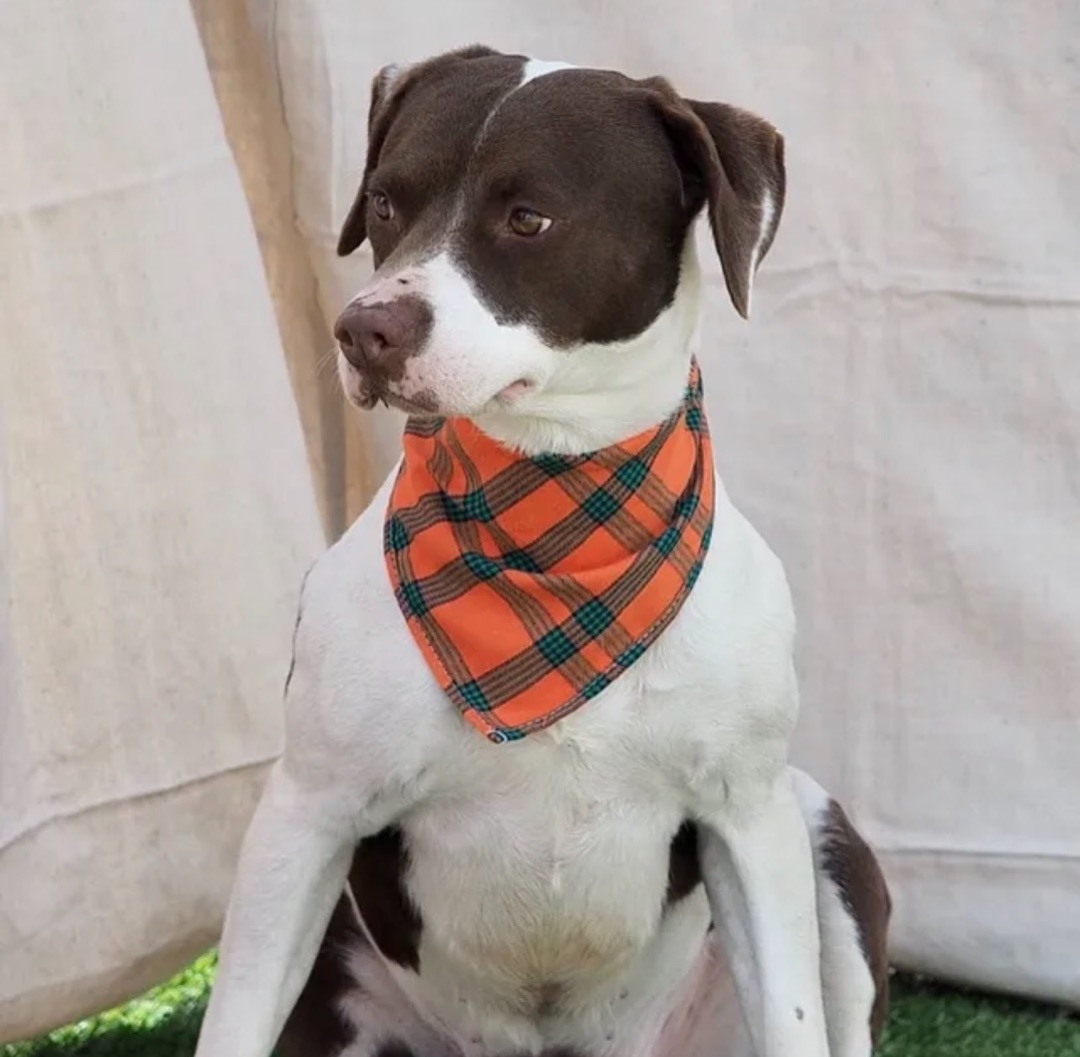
<point x="604" y="394"/>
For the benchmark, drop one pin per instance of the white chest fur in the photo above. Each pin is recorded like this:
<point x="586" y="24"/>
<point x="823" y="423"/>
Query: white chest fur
<point x="540" y="867"/>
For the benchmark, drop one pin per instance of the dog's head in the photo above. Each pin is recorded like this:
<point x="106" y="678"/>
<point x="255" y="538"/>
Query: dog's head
<point x="530" y="220"/>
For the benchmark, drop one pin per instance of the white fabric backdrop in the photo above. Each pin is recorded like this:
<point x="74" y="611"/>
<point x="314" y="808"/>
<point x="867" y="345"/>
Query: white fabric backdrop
<point x="901" y="419"/>
<point x="157" y="507"/>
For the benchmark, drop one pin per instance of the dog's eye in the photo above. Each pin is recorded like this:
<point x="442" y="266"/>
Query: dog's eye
<point x="527" y="222"/>
<point x="381" y="204"/>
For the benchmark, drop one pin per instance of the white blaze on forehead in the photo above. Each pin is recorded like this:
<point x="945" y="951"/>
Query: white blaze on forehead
<point x="532" y="69"/>
<point x="535" y="68"/>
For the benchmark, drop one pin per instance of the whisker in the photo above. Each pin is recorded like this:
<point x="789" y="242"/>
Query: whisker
<point x="328" y="360"/>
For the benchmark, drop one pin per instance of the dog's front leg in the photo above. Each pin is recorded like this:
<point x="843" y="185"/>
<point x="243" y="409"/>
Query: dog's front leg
<point x="292" y="870"/>
<point x="759" y="876"/>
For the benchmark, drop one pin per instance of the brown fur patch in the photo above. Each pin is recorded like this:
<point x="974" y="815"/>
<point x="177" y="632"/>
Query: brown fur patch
<point x="852" y="867"/>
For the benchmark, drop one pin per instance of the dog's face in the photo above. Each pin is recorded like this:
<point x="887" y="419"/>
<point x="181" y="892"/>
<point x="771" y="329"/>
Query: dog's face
<point x="523" y="215"/>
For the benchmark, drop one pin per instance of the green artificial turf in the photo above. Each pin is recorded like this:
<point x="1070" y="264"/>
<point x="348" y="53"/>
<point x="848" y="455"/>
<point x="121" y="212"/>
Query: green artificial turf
<point x="928" y="1020"/>
<point x="162" y="1023"/>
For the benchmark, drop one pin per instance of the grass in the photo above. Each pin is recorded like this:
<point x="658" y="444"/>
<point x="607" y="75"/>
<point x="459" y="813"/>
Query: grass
<point x="931" y="1020"/>
<point x="162" y="1023"/>
<point x="928" y="1020"/>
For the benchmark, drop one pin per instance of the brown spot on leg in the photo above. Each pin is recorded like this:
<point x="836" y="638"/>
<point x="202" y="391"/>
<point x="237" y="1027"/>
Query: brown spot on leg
<point x="377" y="879"/>
<point x="684" y="864"/>
<point x="315" y="1025"/>
<point x="852" y="867"/>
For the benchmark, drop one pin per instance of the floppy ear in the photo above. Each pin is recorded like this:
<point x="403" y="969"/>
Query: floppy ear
<point x="733" y="161"/>
<point x="388" y="89"/>
<point x="354" y="230"/>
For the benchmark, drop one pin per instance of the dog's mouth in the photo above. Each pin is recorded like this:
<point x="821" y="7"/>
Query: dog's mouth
<point x="424" y="403"/>
<point x="367" y="390"/>
<point x="420" y="404"/>
<point x="510" y="394"/>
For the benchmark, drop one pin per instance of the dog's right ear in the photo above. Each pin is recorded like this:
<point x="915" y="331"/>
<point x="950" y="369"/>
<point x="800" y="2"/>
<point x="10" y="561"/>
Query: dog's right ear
<point x="354" y="230"/>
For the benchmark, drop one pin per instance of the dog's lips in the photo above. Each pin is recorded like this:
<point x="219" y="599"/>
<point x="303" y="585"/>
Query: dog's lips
<point x="409" y="405"/>
<point x="419" y="404"/>
<point x="367" y="395"/>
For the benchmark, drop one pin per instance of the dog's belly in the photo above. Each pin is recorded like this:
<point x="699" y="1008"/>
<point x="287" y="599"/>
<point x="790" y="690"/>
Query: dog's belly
<point x="699" y="1017"/>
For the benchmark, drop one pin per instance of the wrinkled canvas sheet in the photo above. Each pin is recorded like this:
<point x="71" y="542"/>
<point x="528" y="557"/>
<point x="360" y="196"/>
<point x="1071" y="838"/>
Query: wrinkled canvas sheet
<point x="901" y="419"/>
<point x="156" y="511"/>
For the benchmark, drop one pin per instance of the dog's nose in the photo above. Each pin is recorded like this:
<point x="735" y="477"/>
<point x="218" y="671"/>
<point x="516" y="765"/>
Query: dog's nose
<point x="374" y="337"/>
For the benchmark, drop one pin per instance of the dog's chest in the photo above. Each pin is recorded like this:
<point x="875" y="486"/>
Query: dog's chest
<point x="548" y="862"/>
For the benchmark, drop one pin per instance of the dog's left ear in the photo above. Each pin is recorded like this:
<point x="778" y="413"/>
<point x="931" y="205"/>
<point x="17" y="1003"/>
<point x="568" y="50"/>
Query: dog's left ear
<point x="388" y="90"/>
<point x="733" y="161"/>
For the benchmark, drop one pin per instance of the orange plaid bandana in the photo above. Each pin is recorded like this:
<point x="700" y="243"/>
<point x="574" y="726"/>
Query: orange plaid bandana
<point x="531" y="584"/>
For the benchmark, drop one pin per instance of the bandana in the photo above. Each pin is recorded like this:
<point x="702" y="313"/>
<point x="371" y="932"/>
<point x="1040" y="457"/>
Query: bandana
<point x="531" y="584"/>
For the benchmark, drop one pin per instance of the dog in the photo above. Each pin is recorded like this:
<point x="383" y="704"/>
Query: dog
<point x="625" y="865"/>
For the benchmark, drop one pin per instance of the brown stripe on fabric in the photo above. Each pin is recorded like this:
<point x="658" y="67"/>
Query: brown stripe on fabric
<point x="660" y="499"/>
<point x="643" y="569"/>
<point x="511" y="680"/>
<point x="569" y="590"/>
<point x="517" y="673"/>
<point x="441" y="643"/>
<point x="622" y="526"/>
<point x="553" y="547"/>
<point x="613" y="640"/>
<point x="504" y="683"/>
<point x="562" y="539"/>
<point x="505" y="490"/>
<point x="534" y="617"/>
<point x="653" y="492"/>
<point x="440" y="465"/>
<point x="423" y="426"/>
<point x="450" y="583"/>
<point x="524" y="476"/>
<point x="514" y="675"/>
<point x="559" y="542"/>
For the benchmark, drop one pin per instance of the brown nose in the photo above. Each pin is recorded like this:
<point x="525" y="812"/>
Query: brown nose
<point x="377" y="339"/>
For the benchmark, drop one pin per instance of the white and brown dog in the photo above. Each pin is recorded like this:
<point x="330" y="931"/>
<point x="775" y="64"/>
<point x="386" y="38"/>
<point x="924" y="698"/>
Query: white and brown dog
<point x="647" y="876"/>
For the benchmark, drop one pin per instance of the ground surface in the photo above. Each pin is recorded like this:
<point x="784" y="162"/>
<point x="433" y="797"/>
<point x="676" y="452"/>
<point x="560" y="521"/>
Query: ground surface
<point x="927" y="1021"/>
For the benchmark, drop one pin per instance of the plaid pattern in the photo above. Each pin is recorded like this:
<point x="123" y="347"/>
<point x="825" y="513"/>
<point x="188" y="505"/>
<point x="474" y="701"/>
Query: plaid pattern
<point x="530" y="584"/>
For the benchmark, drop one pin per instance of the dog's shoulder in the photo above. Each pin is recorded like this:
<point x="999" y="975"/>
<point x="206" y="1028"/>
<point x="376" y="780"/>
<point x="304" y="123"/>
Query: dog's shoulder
<point x="346" y="598"/>
<point x="726" y="662"/>
<point x="358" y="695"/>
